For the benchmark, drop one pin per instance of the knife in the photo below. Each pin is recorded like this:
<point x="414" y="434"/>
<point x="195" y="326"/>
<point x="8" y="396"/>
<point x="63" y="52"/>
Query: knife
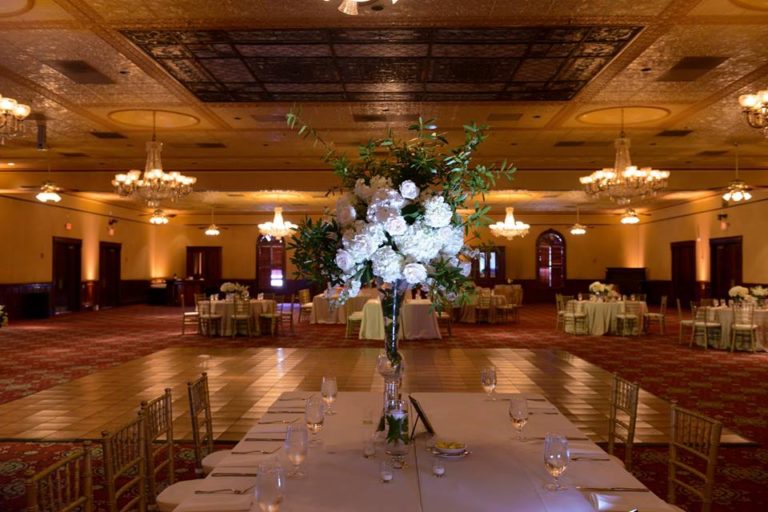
<point x="265" y="439"/>
<point x="612" y="489"/>
<point x="284" y="411"/>
<point x="234" y="474"/>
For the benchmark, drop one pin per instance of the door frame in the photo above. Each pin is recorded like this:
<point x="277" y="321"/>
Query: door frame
<point x="79" y="243"/>
<point x="673" y="288"/>
<point x="726" y="240"/>
<point x="283" y="263"/>
<point x="119" y="248"/>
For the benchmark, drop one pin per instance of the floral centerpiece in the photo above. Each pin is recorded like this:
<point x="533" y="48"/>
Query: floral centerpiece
<point x="739" y="293"/>
<point x="759" y="293"/>
<point x="3" y="316"/>
<point x="600" y="289"/>
<point x="232" y="289"/>
<point x="396" y="222"/>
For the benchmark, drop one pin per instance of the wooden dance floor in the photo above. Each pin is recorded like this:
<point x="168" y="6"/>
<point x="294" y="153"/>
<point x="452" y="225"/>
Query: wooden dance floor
<point x="245" y="381"/>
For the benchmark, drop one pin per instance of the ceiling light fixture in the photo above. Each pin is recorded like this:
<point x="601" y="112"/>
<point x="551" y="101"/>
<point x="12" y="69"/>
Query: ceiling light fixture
<point x="510" y="228"/>
<point x="158" y="217"/>
<point x="578" y="229"/>
<point x="755" y="110"/>
<point x="350" y="6"/>
<point x="737" y="190"/>
<point x="213" y="229"/>
<point x="624" y="182"/>
<point x="278" y="228"/>
<point x="12" y="115"/>
<point x="154" y="185"/>
<point x="630" y="217"/>
<point x="48" y="192"/>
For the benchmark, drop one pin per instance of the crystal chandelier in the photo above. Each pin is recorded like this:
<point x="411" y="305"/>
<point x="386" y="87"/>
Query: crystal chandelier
<point x="624" y="182"/>
<point x="213" y="229"/>
<point x="48" y="192"/>
<point x="755" y="110"/>
<point x="12" y="115"/>
<point x="278" y="228"/>
<point x="737" y="190"/>
<point x="158" y="217"/>
<point x="630" y="217"/>
<point x="510" y="228"/>
<point x="578" y="229"/>
<point x="350" y="6"/>
<point x="154" y="185"/>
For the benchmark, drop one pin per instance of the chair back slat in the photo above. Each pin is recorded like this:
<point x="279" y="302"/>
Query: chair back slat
<point x="64" y="486"/>
<point x="158" y="438"/>
<point x="305" y="296"/>
<point x="125" y="466"/>
<point x="663" y="308"/>
<point x="623" y="416"/>
<point x="200" y="416"/>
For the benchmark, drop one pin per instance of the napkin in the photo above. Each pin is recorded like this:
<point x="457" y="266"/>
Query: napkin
<point x="644" y="501"/>
<point x="216" y="503"/>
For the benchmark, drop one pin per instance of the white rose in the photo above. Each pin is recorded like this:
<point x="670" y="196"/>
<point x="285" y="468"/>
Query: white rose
<point x="437" y="213"/>
<point x="344" y="260"/>
<point x="362" y="190"/>
<point x="409" y="190"/>
<point x="415" y="273"/>
<point x="346" y="214"/>
<point x="396" y="226"/>
<point x="387" y="264"/>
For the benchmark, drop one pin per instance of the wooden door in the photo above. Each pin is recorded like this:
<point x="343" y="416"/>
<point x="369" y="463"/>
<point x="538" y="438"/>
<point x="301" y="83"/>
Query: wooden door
<point x="489" y="268"/>
<point x="725" y="265"/>
<point x="204" y="262"/>
<point x="683" y="272"/>
<point x="109" y="274"/>
<point x="66" y="274"/>
<point x="270" y="265"/>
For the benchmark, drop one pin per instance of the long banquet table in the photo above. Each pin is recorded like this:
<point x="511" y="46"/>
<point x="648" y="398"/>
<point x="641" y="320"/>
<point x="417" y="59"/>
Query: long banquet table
<point x="418" y="322"/>
<point x="498" y="474"/>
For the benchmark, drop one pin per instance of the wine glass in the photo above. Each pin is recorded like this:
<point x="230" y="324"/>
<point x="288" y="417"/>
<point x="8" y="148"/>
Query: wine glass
<point x="328" y="390"/>
<point x="556" y="458"/>
<point x="314" y="416"/>
<point x="270" y="487"/>
<point x="488" y="380"/>
<point x="518" y="414"/>
<point x="296" y="443"/>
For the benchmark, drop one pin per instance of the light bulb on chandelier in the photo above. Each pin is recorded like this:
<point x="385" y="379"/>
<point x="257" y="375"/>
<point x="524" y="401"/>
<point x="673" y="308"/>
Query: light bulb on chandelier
<point x="213" y="229"/>
<point x="755" y="110"/>
<point x="158" y="217"/>
<point x="12" y="115"/>
<point x="510" y="228"/>
<point x="630" y="217"/>
<point x="578" y="229"/>
<point x="278" y="228"/>
<point x="737" y="190"/>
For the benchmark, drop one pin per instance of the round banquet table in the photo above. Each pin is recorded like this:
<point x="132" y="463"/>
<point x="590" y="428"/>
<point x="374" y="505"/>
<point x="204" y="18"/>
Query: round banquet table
<point x="325" y="310"/>
<point x="417" y="322"/>
<point x="601" y="316"/>
<point x="225" y="308"/>
<point x="469" y="310"/>
<point x="513" y="292"/>
<point x="724" y="316"/>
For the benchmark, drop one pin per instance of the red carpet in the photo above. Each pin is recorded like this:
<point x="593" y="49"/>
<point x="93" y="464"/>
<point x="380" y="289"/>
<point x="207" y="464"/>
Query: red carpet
<point x="730" y="387"/>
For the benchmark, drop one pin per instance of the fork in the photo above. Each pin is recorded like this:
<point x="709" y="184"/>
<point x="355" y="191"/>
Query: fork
<point x="265" y="452"/>
<point x="224" y="491"/>
<point x="277" y="421"/>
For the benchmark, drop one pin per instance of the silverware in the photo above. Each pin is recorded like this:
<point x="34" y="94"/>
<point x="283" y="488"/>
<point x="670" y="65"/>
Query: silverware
<point x="589" y="459"/>
<point x="553" y="413"/>
<point x="283" y="411"/>
<point x="224" y="491"/>
<point x="265" y="439"/>
<point x="277" y="421"/>
<point x="234" y="474"/>
<point x="569" y="438"/>
<point x="294" y="399"/>
<point x="612" y="489"/>
<point x="247" y="452"/>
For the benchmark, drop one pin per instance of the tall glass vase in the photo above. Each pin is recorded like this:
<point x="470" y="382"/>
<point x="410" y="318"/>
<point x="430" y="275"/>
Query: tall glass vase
<point x="390" y="364"/>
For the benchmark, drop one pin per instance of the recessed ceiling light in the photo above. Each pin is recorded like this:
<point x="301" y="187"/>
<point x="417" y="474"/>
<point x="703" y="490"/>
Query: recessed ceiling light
<point x="10" y="164"/>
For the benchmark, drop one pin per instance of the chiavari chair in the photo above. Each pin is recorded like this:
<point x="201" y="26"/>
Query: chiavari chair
<point x="305" y="304"/>
<point x="575" y="316"/>
<point x="703" y="323"/>
<point x="743" y="325"/>
<point x="354" y="309"/>
<point x="444" y="313"/>
<point x="125" y="467"/>
<point x="660" y="317"/>
<point x="484" y="305"/>
<point x="287" y="312"/>
<point x="188" y="318"/>
<point x="209" y="318"/>
<point x="64" y="486"/>
<point x="628" y="321"/>
<point x="158" y="441"/>
<point x="241" y="314"/>
<point x="693" y="445"/>
<point x="623" y="417"/>
<point x="272" y="318"/>
<point x="560" y="305"/>
<point x="202" y="426"/>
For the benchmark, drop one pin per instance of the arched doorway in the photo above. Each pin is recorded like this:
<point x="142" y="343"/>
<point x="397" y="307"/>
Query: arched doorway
<point x="550" y="259"/>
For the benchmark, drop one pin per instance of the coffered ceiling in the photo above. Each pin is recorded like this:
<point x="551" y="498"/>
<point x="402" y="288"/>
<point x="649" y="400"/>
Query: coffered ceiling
<point x="549" y="77"/>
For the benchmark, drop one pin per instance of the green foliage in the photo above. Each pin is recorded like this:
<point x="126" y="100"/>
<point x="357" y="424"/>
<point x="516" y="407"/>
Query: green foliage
<point x="314" y="251"/>
<point x="397" y="429"/>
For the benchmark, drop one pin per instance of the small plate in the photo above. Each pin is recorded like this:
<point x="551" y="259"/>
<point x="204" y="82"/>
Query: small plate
<point x="459" y="455"/>
<point x="445" y="450"/>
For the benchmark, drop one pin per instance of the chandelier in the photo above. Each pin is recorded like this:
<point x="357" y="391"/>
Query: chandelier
<point x="48" y="192"/>
<point x="578" y="229"/>
<point x="510" y="228"/>
<point x="350" y="6"/>
<point x="755" y="109"/>
<point x="737" y="190"/>
<point x="12" y="115"/>
<point x="158" y="217"/>
<point x="213" y="229"/>
<point x="154" y="185"/>
<point x="278" y="228"/>
<point x="630" y="217"/>
<point x="624" y="182"/>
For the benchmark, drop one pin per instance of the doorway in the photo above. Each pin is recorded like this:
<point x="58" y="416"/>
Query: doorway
<point x="550" y="259"/>
<point x="725" y="265"/>
<point x="270" y="265"/>
<point x="684" y="271"/>
<point x="109" y="274"/>
<point x="66" y="274"/>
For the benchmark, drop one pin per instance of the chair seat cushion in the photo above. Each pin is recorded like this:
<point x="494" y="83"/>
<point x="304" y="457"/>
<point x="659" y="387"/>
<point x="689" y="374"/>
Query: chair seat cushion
<point x="743" y="327"/>
<point x="706" y="324"/>
<point x="686" y="322"/>
<point x="356" y="316"/>
<point x="211" y="317"/>
<point x="576" y="315"/>
<point x="213" y="459"/>
<point x="627" y="316"/>
<point x="191" y="314"/>
<point x="244" y="316"/>
<point x="171" y="496"/>
<point x="307" y="305"/>
<point x="655" y="315"/>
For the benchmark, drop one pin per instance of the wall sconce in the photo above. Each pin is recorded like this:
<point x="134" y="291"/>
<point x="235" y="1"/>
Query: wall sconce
<point x="724" y="224"/>
<point x="111" y="227"/>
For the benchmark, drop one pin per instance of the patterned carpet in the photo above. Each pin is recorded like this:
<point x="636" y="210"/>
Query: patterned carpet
<point x="730" y="387"/>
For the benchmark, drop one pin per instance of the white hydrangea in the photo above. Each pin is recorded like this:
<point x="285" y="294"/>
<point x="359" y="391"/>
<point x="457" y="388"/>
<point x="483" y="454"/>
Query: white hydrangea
<point x="344" y="260"/>
<point x="387" y="264"/>
<point x="419" y="243"/>
<point x="378" y="182"/>
<point x="437" y="213"/>
<point x="415" y="273"/>
<point x="409" y="190"/>
<point x="396" y="226"/>
<point x="452" y="238"/>
<point x="345" y="210"/>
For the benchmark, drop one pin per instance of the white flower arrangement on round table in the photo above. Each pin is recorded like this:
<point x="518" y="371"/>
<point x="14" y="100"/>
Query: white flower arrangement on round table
<point x="235" y="289"/>
<point x="739" y="293"/>
<point x="600" y="289"/>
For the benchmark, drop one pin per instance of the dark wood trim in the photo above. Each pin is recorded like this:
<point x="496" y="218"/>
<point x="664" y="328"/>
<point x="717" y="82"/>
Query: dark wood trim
<point x="89" y="294"/>
<point x="75" y="300"/>
<point x="133" y="291"/>
<point x="26" y="300"/>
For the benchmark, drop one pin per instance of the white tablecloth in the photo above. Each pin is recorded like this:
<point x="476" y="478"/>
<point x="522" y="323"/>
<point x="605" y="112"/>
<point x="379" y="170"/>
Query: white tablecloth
<point x="601" y="316"/>
<point x="469" y="310"/>
<point x="227" y="307"/>
<point x="326" y="311"/>
<point x="512" y="292"/>
<point x="417" y="322"/>
<point x="499" y="474"/>
<point x="724" y="316"/>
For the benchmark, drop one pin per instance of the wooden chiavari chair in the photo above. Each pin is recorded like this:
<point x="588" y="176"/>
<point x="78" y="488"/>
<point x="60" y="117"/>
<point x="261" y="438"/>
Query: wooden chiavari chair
<point x="560" y="305"/>
<point x="287" y="312"/>
<point x="354" y="308"/>
<point x="702" y="323"/>
<point x="272" y="319"/>
<point x="64" y="486"/>
<point x="189" y="317"/>
<point x="125" y="467"/>
<point x="743" y="325"/>
<point x="484" y="305"/>
<point x="623" y="417"/>
<point x="628" y="321"/>
<point x="575" y="315"/>
<point x="693" y="444"/>
<point x="682" y="322"/>
<point x="305" y="304"/>
<point x="660" y="317"/>
<point x="241" y="314"/>
<point x="158" y="440"/>
<point x="209" y="318"/>
<point x="202" y="426"/>
<point x="444" y="313"/>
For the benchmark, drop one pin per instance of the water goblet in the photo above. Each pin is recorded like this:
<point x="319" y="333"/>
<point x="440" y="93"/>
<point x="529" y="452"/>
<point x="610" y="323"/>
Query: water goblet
<point x="556" y="458"/>
<point x="328" y="390"/>
<point x="488" y="380"/>
<point x="314" y="416"/>
<point x="518" y="414"/>
<point x="438" y="467"/>
<point x="296" y="444"/>
<point x="270" y="487"/>
<point x="386" y="471"/>
<point x="581" y="297"/>
<point x="369" y="443"/>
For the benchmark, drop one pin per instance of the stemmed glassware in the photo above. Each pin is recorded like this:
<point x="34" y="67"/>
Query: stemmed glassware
<point x="556" y="458"/>
<point x="518" y="414"/>
<point x="328" y="390"/>
<point x="488" y="380"/>
<point x="314" y="416"/>
<point x="270" y="487"/>
<point x="296" y="444"/>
